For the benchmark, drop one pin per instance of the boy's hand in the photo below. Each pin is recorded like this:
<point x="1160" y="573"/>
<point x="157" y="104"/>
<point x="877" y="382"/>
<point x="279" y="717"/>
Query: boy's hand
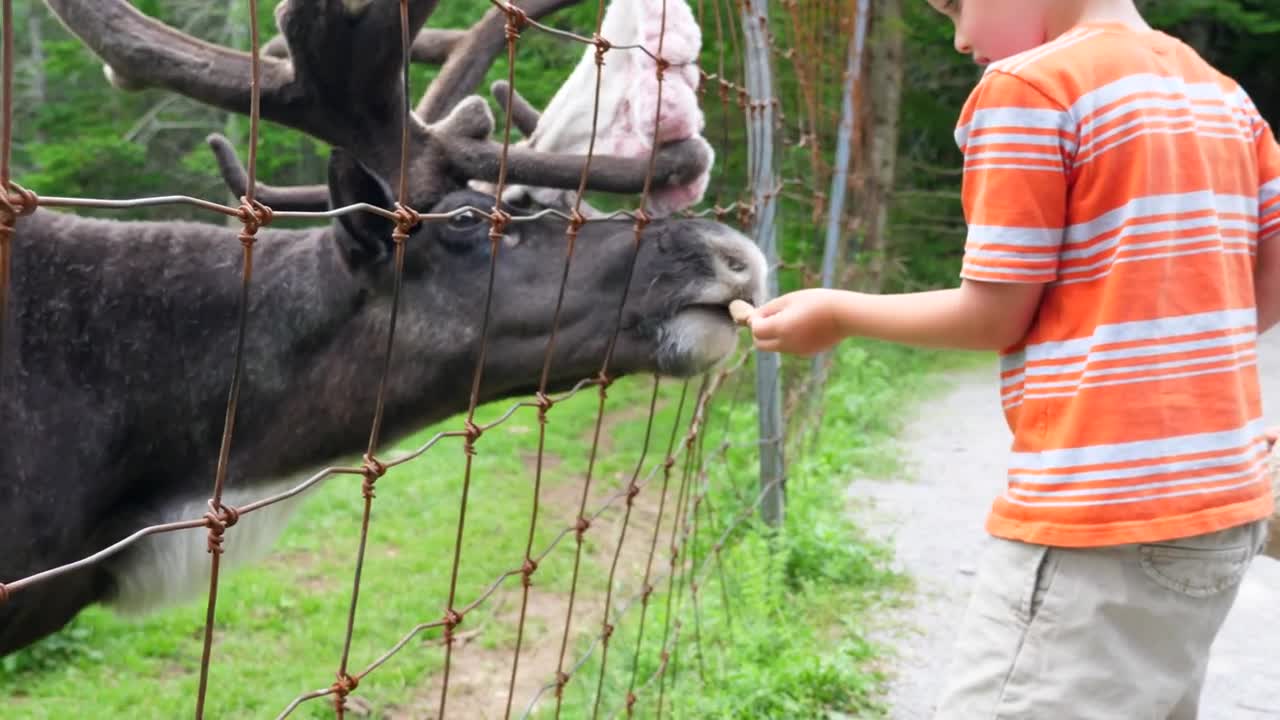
<point x="805" y="322"/>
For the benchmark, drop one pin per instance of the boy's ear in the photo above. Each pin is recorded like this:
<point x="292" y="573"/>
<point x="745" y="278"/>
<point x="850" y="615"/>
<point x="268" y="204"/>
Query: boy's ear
<point x="363" y="237"/>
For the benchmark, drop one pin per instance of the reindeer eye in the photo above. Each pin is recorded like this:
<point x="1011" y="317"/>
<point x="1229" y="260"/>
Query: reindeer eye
<point x="521" y="202"/>
<point x="465" y="220"/>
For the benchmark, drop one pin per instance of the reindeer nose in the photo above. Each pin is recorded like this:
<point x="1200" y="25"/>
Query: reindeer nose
<point x="742" y="264"/>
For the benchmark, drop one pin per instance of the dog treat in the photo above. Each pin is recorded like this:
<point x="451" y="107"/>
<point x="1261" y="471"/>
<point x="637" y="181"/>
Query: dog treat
<point x="740" y="310"/>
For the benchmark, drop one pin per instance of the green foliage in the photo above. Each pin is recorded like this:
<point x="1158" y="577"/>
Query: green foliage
<point x="782" y="623"/>
<point x="927" y="225"/>
<point x="74" y="644"/>
<point x="1252" y="17"/>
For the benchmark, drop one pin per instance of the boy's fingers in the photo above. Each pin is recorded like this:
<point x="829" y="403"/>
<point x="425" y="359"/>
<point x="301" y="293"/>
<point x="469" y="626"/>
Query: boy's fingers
<point x="773" y="307"/>
<point x="768" y="345"/>
<point x="763" y="328"/>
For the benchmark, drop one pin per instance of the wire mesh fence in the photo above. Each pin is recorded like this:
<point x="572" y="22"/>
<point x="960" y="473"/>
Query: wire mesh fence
<point x="768" y="79"/>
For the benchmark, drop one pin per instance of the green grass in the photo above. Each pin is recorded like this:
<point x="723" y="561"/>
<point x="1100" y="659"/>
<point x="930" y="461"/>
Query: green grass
<point x="781" y="629"/>
<point x="791" y="643"/>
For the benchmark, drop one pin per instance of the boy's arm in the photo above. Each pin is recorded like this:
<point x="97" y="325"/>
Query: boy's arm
<point x="1266" y="273"/>
<point x="1266" y="283"/>
<point x="975" y="316"/>
<point x="1017" y="144"/>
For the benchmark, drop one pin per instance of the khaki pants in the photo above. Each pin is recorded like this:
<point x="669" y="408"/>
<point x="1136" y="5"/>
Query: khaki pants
<point x="1117" y="633"/>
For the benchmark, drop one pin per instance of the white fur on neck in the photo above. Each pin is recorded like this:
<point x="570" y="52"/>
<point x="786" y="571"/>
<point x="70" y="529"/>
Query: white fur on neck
<point x="169" y="568"/>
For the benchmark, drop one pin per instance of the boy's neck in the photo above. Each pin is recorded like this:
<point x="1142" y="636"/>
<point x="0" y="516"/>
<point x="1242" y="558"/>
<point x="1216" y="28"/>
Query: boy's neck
<point x="1070" y="14"/>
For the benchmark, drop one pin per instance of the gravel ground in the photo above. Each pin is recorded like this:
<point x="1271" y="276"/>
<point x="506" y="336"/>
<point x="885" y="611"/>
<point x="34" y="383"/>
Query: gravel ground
<point x="934" y="518"/>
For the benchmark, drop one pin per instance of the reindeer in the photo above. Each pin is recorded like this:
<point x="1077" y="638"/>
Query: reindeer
<point x="120" y="335"/>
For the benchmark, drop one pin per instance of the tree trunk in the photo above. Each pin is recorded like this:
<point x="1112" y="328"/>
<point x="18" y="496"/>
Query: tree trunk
<point x="880" y="141"/>
<point x="36" y="65"/>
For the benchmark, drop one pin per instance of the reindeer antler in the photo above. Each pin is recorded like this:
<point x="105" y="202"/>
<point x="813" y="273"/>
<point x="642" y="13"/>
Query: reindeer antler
<point x="141" y="52"/>
<point x="473" y="55"/>
<point x="308" y="198"/>
<point x="523" y="114"/>
<point x="342" y="82"/>
<point x="323" y="69"/>
<point x="432" y="46"/>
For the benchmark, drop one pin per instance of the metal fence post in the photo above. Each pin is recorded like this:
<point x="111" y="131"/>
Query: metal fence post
<point x="764" y="186"/>
<point x="840" y="176"/>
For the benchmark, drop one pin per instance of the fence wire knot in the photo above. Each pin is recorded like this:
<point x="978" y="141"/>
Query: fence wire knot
<point x="545" y="404"/>
<point x="373" y="469"/>
<point x="607" y="632"/>
<point x="645" y="593"/>
<point x="602" y="46"/>
<point x="695" y="429"/>
<point x="632" y="492"/>
<point x="253" y="215"/>
<point x="604" y="380"/>
<point x="500" y="219"/>
<point x="527" y="570"/>
<point x="663" y="65"/>
<point x="342" y="687"/>
<point x="27" y="202"/>
<point x="562" y="679"/>
<point x="516" y="21"/>
<point x="631" y="701"/>
<point x="581" y="527"/>
<point x="452" y="619"/>
<point x="346" y="683"/>
<point x="218" y="519"/>
<point x="406" y="220"/>
<point x="473" y="433"/>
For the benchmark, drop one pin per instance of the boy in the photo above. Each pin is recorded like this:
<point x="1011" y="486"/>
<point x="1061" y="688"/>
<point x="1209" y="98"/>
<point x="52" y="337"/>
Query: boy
<point x="1123" y="254"/>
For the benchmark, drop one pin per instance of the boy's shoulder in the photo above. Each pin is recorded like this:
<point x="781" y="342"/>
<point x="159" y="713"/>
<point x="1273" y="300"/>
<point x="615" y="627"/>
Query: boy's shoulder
<point x="1090" y="60"/>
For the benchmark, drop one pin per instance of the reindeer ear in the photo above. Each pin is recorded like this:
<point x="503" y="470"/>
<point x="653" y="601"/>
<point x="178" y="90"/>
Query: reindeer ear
<point x="363" y="237"/>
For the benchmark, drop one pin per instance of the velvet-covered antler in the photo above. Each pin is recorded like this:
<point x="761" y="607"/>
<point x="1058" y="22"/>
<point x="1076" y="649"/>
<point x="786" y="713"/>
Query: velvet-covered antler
<point x="335" y="73"/>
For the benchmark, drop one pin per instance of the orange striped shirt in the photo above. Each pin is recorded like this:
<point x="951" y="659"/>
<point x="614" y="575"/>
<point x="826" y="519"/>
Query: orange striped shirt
<point x="1136" y="182"/>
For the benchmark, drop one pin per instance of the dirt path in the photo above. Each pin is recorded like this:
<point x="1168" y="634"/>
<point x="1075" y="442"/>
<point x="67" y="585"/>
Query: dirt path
<point x="934" y="517"/>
